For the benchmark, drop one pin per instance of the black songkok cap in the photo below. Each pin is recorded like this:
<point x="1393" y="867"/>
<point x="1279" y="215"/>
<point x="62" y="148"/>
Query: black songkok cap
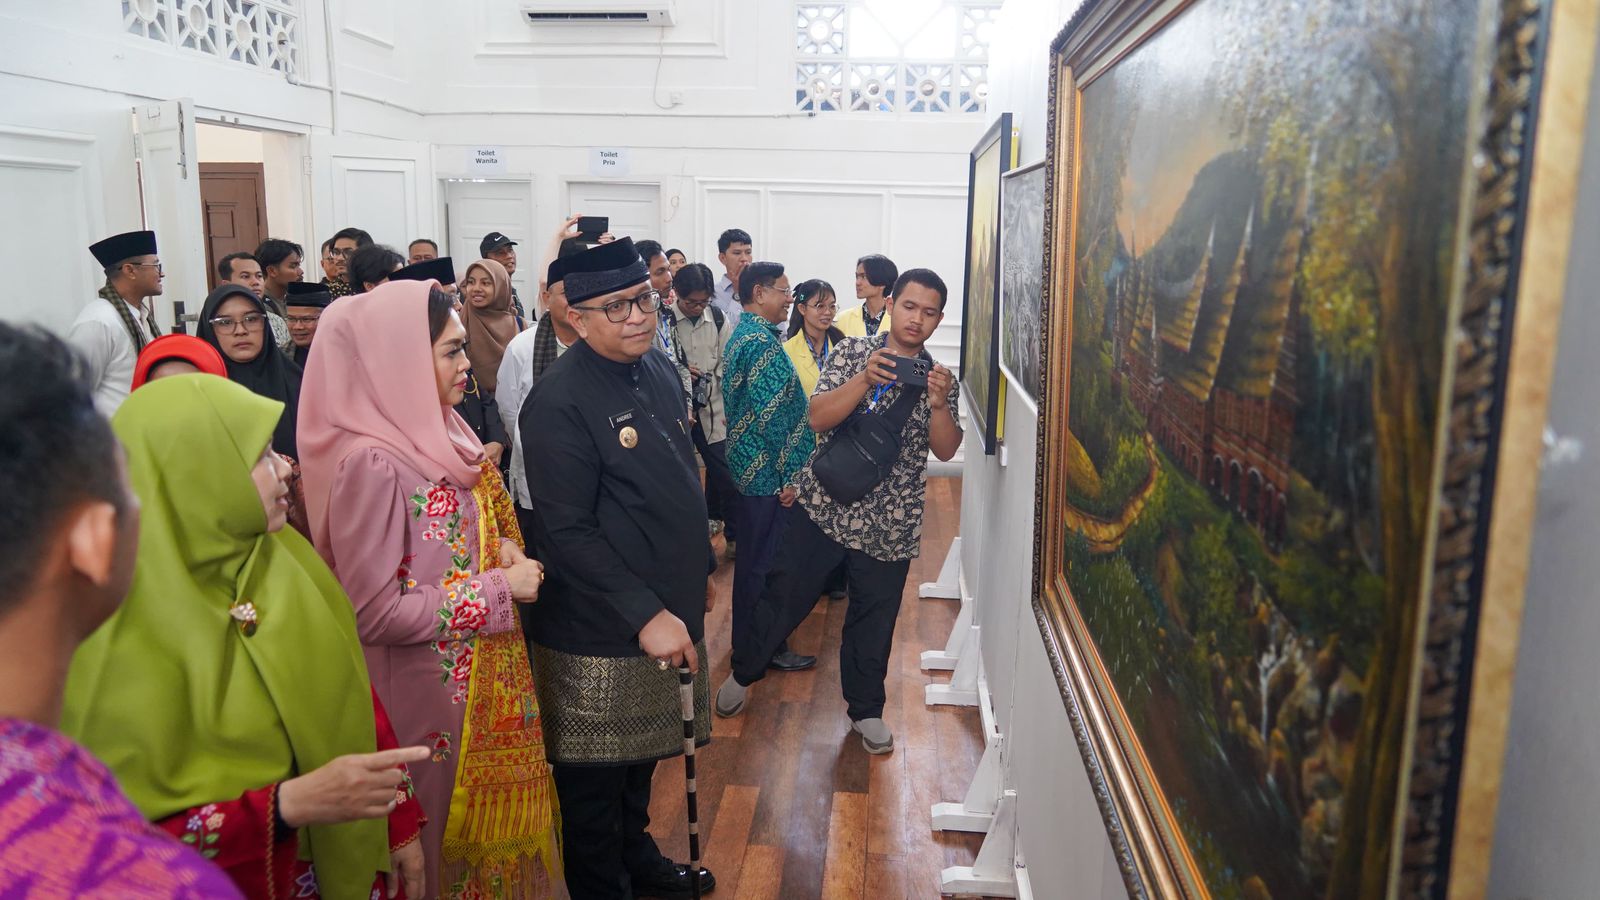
<point x="441" y="270"/>
<point x="119" y="247"/>
<point x="603" y="269"/>
<point x="307" y="293"/>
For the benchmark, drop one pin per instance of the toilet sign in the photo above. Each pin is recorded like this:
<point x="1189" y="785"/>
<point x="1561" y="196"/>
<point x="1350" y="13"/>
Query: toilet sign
<point x="608" y="162"/>
<point x="485" y="161"/>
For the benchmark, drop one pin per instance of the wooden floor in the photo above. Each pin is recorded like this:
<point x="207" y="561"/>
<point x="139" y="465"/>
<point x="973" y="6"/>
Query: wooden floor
<point x="791" y="806"/>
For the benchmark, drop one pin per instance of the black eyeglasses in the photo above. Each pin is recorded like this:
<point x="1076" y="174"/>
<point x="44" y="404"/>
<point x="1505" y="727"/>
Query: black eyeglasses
<point x="301" y="320"/>
<point x="617" y="311"/>
<point x="251" y="322"/>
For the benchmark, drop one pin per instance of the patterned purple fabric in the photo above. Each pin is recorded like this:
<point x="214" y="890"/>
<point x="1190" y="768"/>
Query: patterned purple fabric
<point x="66" y="830"/>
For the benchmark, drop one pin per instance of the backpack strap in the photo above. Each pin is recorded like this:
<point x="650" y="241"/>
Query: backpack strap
<point x="719" y="317"/>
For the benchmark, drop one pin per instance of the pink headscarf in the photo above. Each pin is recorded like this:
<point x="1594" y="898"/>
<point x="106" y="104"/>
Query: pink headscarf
<point x="370" y="384"/>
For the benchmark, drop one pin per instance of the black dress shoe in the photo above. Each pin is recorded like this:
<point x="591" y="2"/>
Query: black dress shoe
<point x="790" y="661"/>
<point x="672" y="883"/>
<point x="836" y="595"/>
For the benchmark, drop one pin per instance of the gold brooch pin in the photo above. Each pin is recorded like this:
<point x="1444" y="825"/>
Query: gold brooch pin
<point x="244" y="612"/>
<point x="628" y="437"/>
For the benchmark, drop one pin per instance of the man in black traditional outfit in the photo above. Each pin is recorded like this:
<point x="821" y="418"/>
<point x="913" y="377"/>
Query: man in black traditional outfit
<point x="619" y="522"/>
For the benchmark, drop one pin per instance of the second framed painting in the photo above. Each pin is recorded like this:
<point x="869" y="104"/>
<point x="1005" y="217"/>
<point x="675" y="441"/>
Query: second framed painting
<point x="1022" y="278"/>
<point x="993" y="156"/>
<point x="1289" y="421"/>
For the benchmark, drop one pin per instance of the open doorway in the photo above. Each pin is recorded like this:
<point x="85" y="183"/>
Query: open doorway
<point x="251" y="188"/>
<point x="474" y="207"/>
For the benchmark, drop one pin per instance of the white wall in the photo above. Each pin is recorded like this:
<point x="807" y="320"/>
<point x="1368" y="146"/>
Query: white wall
<point x="1060" y="833"/>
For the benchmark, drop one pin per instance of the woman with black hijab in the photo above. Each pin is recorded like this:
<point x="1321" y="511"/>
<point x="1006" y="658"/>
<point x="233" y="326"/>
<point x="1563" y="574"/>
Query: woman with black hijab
<point x="234" y="321"/>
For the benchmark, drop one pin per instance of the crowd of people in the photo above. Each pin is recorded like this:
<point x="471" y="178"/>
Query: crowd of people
<point x="500" y="519"/>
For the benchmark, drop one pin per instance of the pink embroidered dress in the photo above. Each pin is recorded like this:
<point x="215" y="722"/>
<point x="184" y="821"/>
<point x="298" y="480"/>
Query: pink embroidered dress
<point x="401" y="505"/>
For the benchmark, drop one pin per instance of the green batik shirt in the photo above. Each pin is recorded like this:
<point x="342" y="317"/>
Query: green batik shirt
<point x="769" y="434"/>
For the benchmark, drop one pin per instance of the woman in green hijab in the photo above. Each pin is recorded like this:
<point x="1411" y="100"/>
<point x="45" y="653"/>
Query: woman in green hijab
<point x="228" y="693"/>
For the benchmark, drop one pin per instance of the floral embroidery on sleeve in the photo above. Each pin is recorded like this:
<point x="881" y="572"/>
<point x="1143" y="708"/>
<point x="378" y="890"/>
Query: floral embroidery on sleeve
<point x="204" y="830"/>
<point x="440" y="741"/>
<point x="465" y="611"/>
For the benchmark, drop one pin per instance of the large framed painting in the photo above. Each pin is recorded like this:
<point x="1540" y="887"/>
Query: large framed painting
<point x="1022" y="278"/>
<point x="992" y="157"/>
<point x="1294" y="379"/>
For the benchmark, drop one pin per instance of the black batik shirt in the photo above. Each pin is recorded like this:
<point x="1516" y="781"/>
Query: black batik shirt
<point x="887" y="523"/>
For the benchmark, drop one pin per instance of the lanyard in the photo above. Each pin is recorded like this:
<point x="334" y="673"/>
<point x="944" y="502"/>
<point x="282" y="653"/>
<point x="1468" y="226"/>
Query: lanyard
<point x="825" y="348"/>
<point x="876" y="395"/>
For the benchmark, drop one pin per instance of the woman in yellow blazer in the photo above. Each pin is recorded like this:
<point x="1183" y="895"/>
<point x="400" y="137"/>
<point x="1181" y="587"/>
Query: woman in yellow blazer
<point x="811" y="332"/>
<point x="812" y="337"/>
<point x="875" y="277"/>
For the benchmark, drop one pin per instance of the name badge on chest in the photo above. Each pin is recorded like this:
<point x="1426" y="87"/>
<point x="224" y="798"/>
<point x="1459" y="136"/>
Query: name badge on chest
<point x="627" y="435"/>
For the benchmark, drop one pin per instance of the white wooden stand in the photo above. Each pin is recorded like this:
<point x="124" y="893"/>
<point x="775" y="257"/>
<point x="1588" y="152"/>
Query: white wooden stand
<point x="947" y="587"/>
<point x="975" y="812"/>
<point x="994" y="872"/>
<point x="946" y="659"/>
<point x="963" y="687"/>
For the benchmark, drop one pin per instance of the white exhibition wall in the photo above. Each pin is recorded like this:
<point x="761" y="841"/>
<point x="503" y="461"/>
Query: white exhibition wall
<point x="1060" y="836"/>
<point x="383" y="117"/>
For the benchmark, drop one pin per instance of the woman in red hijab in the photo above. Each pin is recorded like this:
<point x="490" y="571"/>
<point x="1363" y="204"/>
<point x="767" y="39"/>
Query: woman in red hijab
<point x="176" y="354"/>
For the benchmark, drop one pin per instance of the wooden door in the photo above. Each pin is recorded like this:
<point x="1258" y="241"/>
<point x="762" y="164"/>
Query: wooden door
<point x="233" y="198"/>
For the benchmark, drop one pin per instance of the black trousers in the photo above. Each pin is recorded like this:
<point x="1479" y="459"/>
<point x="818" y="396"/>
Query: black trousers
<point x="762" y="521"/>
<point x="604" y="813"/>
<point x="722" y="496"/>
<point x="805" y="562"/>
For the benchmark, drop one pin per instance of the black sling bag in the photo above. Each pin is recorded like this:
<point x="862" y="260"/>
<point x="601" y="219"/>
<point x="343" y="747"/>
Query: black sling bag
<point x="863" y="449"/>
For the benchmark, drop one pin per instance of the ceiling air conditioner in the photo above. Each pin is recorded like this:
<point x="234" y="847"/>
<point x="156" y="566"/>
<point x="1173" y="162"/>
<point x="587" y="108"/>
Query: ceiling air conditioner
<point x="599" y="12"/>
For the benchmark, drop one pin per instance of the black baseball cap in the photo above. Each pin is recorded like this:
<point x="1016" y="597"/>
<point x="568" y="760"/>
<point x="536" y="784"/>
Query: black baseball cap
<point x="492" y="241"/>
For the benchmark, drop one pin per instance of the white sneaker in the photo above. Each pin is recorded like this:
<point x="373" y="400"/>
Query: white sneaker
<point x="875" y="736"/>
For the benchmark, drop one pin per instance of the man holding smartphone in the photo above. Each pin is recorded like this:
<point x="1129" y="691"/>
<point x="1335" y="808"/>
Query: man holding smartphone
<point x="877" y="535"/>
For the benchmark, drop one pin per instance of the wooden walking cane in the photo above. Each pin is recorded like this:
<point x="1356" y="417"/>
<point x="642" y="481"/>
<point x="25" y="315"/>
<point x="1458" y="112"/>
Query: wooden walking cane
<point x="686" y="697"/>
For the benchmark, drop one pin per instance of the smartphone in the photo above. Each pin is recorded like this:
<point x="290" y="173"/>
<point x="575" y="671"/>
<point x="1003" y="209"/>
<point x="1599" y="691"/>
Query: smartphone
<point x="911" y="370"/>
<point x="591" y="227"/>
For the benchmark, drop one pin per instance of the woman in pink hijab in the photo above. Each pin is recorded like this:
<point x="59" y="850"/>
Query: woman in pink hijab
<point x="420" y="531"/>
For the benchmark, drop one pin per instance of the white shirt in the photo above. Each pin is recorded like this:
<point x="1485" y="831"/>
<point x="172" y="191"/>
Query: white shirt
<point x="725" y="300"/>
<point x="98" y="334"/>
<point x="513" y="383"/>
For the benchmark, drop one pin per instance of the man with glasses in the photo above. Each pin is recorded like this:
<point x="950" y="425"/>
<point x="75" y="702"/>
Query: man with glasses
<point x="110" y="333"/>
<point x="703" y="331"/>
<point x="619" y="522"/>
<point x="305" y="303"/>
<point x="768" y="443"/>
<point x="655" y="264"/>
<point x="336" y="259"/>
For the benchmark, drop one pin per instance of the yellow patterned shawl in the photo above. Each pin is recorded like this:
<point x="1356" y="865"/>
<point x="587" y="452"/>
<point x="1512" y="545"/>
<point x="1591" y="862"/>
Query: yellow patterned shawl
<point x="503" y="833"/>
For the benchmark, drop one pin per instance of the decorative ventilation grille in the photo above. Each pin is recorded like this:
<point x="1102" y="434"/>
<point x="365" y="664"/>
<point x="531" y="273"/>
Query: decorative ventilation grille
<point x="893" y="56"/>
<point x="260" y="33"/>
